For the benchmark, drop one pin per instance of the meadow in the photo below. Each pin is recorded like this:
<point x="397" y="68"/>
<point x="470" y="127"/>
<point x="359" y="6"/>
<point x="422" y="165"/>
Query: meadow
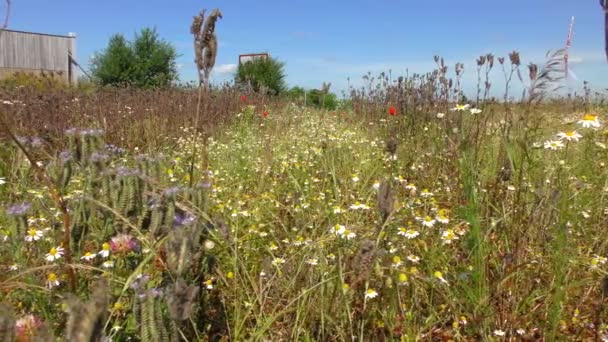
<point x="408" y="213"/>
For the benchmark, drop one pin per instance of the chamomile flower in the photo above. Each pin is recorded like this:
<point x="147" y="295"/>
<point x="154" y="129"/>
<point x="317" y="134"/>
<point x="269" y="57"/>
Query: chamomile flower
<point x="376" y="185"/>
<point x="475" y="110"/>
<point x="354" y="178"/>
<point x="349" y="235"/>
<point x="358" y="205"/>
<point x="402" y="278"/>
<point x="589" y="121"/>
<point x="426" y="193"/>
<point x="447" y="236"/>
<point x="408" y="233"/>
<point x="338" y="230"/>
<point x="460" y="107"/>
<point x="569" y="136"/>
<point x="440" y="115"/>
<point x="278" y="262"/>
<point x="442" y="216"/>
<point x="52" y="280"/>
<point x="396" y="262"/>
<point x="88" y="256"/>
<point x="371" y="293"/>
<point x="499" y="332"/>
<point x="554" y="145"/>
<point x="2" y="180"/>
<point x="413" y="258"/>
<point x="33" y="234"/>
<point x="209" y="284"/>
<point x="428" y="221"/>
<point x="107" y="264"/>
<point x="439" y="276"/>
<point x="597" y="261"/>
<point x="54" y="254"/>
<point x="105" y="250"/>
<point x="312" y="261"/>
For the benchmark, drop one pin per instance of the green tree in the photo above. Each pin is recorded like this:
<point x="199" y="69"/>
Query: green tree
<point x="268" y="73"/>
<point x="147" y="61"/>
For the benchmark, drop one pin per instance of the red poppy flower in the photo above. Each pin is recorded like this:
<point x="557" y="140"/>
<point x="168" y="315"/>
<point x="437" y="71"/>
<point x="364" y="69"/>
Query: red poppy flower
<point x="264" y="114"/>
<point x="392" y="111"/>
<point x="243" y="98"/>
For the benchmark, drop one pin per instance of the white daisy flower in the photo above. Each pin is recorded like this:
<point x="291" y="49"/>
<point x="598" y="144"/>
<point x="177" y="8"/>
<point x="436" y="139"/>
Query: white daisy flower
<point x="371" y="293"/>
<point x="54" y="254"/>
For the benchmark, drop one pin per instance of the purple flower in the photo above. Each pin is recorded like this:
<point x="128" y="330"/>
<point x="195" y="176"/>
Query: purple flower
<point x="204" y="185"/>
<point x="114" y="149"/>
<point x="18" y="209"/>
<point x="140" y="281"/>
<point x="30" y="141"/>
<point x="71" y="131"/>
<point x="172" y="191"/>
<point x="97" y="157"/>
<point x="92" y="132"/>
<point x="123" y="171"/>
<point x="65" y="156"/>
<point x="183" y="219"/>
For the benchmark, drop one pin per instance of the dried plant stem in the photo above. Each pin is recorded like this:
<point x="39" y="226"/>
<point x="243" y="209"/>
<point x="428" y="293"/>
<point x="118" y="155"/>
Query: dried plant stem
<point x="55" y="195"/>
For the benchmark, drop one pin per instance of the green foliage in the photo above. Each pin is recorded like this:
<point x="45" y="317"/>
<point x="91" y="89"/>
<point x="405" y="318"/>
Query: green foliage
<point x="314" y="97"/>
<point x="266" y="75"/>
<point x="146" y="62"/>
<point x="296" y="94"/>
<point x="41" y="82"/>
<point x="322" y="100"/>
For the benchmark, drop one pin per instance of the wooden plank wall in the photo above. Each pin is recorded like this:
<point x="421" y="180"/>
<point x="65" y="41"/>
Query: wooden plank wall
<point x="32" y="52"/>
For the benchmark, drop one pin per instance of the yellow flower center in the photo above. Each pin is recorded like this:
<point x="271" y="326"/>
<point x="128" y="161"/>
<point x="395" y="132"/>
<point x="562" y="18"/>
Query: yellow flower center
<point x="53" y="251"/>
<point x="32" y="232"/>
<point x="105" y="246"/>
<point x="589" y="117"/>
<point x="396" y="259"/>
<point x="52" y="277"/>
<point x="402" y="278"/>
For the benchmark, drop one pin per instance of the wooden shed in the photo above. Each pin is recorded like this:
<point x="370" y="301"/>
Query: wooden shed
<point x="38" y="53"/>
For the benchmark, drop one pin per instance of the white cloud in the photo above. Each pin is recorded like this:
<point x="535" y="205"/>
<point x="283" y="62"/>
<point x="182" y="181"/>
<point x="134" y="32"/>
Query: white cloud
<point x="225" y="68"/>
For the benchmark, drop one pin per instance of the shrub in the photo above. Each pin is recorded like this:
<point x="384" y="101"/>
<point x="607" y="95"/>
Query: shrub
<point x="146" y="62"/>
<point x="266" y="75"/>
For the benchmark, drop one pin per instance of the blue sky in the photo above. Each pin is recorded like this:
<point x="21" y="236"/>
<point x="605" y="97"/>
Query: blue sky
<point x="334" y="40"/>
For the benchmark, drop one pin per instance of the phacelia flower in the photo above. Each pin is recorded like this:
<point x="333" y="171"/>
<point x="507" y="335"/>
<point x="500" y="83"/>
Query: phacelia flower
<point x="18" y="209"/>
